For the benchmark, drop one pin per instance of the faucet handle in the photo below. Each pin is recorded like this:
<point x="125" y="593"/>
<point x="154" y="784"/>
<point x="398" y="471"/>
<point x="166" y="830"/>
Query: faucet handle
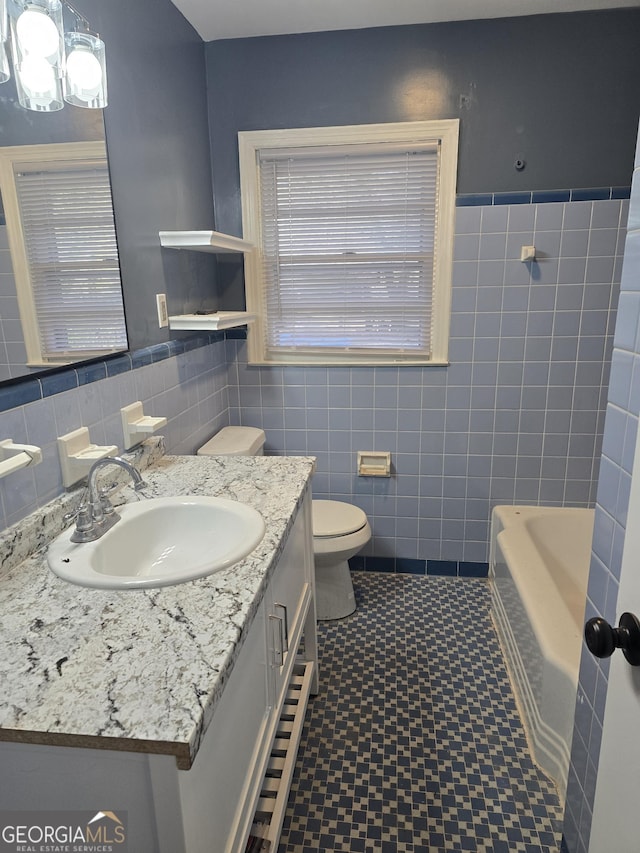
<point x="81" y="515"/>
<point x="84" y="518"/>
<point x="105" y="503"/>
<point x="83" y="504"/>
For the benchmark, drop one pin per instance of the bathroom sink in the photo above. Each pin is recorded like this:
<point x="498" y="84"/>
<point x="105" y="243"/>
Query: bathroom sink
<point x="160" y="542"/>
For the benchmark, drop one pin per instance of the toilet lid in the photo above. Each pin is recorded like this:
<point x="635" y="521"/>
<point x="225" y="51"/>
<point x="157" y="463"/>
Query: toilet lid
<point x="234" y="441"/>
<point x="335" y="518"/>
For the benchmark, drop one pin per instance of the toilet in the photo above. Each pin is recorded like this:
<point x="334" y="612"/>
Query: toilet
<point x="340" y="529"/>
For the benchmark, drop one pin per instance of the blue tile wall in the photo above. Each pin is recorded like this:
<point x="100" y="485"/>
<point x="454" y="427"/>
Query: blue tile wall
<point x="618" y="448"/>
<point x="26" y="390"/>
<point x="542" y="196"/>
<point x="516" y="417"/>
<point x="184" y="381"/>
<point x="450" y="568"/>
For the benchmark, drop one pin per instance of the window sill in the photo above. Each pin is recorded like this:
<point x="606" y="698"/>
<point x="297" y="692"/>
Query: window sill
<point x="346" y="362"/>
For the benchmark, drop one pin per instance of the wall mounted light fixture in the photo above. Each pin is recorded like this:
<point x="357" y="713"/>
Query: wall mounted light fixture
<point x="51" y="65"/>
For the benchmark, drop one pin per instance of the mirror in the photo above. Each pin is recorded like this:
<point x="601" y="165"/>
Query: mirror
<point x="71" y="128"/>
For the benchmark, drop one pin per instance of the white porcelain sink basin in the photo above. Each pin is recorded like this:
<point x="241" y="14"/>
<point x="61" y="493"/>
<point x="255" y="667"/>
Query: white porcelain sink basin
<point x="159" y="542"/>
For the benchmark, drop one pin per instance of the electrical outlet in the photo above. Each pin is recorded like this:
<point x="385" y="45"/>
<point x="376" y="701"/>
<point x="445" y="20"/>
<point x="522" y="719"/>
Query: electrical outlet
<point x="163" y="314"/>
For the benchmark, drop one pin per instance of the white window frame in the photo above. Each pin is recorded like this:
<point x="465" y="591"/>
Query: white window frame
<point x="445" y="134"/>
<point x="12" y="159"/>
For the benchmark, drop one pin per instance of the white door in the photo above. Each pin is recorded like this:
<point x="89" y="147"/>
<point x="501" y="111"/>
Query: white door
<point x="616" y="814"/>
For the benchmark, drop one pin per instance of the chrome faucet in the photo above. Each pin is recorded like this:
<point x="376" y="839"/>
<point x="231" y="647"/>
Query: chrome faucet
<point x="96" y="515"/>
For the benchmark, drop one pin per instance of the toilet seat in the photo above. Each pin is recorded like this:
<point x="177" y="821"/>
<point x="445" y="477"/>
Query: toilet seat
<point x="336" y="518"/>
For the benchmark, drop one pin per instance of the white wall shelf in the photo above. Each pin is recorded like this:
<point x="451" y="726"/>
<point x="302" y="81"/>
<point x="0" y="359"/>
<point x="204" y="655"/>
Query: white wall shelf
<point x="204" y="241"/>
<point x="210" y="322"/>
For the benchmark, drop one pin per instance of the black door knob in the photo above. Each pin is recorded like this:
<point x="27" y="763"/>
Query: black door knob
<point x="602" y="639"/>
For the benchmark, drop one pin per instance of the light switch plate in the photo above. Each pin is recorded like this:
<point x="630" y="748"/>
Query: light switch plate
<point x="163" y="314"/>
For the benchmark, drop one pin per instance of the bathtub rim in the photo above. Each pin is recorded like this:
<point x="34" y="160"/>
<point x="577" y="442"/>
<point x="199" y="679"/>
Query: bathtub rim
<point x="550" y="618"/>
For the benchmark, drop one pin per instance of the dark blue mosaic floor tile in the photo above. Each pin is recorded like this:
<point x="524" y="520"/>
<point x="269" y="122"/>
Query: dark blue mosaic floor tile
<point x="414" y="743"/>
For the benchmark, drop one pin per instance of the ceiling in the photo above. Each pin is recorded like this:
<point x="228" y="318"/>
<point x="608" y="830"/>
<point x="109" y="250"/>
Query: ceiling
<point x="221" y="19"/>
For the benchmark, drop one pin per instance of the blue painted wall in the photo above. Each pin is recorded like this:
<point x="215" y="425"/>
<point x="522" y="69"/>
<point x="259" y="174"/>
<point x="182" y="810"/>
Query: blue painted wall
<point x="560" y="91"/>
<point x="157" y="139"/>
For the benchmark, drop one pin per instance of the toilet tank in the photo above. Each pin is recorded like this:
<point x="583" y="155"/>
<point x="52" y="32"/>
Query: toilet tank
<point x="235" y="441"/>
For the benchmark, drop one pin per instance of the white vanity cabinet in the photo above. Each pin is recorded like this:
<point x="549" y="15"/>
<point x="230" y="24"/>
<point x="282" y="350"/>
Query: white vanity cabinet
<point x="239" y="781"/>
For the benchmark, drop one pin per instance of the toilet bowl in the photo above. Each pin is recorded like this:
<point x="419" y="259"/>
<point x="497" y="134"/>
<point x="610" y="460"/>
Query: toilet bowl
<point x="340" y="529"/>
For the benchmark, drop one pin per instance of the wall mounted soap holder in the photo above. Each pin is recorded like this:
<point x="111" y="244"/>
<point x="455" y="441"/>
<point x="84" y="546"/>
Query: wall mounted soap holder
<point x="77" y="455"/>
<point x="136" y="426"/>
<point x="13" y="457"/>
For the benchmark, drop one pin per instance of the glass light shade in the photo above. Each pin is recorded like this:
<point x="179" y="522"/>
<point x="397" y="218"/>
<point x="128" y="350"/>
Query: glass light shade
<point x="5" y="68"/>
<point x="4" y="23"/>
<point x="37" y="45"/>
<point x="85" y="82"/>
<point x="37" y="34"/>
<point x="37" y="30"/>
<point x="39" y="87"/>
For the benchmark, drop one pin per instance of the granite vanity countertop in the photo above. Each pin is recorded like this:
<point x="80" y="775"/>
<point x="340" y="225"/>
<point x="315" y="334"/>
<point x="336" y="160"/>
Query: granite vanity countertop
<point x="139" y="670"/>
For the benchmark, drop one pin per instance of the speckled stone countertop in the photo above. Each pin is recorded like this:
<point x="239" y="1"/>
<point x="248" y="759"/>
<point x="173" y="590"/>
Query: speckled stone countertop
<point x="137" y="670"/>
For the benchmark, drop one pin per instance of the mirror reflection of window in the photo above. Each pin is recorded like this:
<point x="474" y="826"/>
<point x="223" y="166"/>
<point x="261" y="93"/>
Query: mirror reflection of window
<point x="61" y="234"/>
<point x="13" y="353"/>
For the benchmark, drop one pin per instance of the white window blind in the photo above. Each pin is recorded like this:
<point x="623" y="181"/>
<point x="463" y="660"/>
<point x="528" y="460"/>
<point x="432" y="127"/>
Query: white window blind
<point x="70" y="243"/>
<point x="348" y="249"/>
<point x="353" y="227"/>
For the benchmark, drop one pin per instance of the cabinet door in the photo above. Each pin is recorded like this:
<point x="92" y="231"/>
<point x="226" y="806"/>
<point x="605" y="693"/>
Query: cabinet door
<point x="290" y="593"/>
<point x="217" y="790"/>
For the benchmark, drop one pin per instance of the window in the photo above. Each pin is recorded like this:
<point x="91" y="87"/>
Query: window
<point x="57" y="200"/>
<point x="354" y="235"/>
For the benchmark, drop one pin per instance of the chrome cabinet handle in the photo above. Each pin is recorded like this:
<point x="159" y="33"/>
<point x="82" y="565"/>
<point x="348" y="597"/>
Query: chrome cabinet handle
<point x="279" y="645"/>
<point x="285" y="617"/>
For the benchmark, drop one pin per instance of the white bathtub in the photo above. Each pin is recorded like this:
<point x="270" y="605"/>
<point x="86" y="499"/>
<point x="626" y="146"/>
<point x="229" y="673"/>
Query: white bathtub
<point x="539" y="568"/>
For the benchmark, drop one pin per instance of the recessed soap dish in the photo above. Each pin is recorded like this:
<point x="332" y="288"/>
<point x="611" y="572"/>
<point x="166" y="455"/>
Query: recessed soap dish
<point x="372" y="463"/>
